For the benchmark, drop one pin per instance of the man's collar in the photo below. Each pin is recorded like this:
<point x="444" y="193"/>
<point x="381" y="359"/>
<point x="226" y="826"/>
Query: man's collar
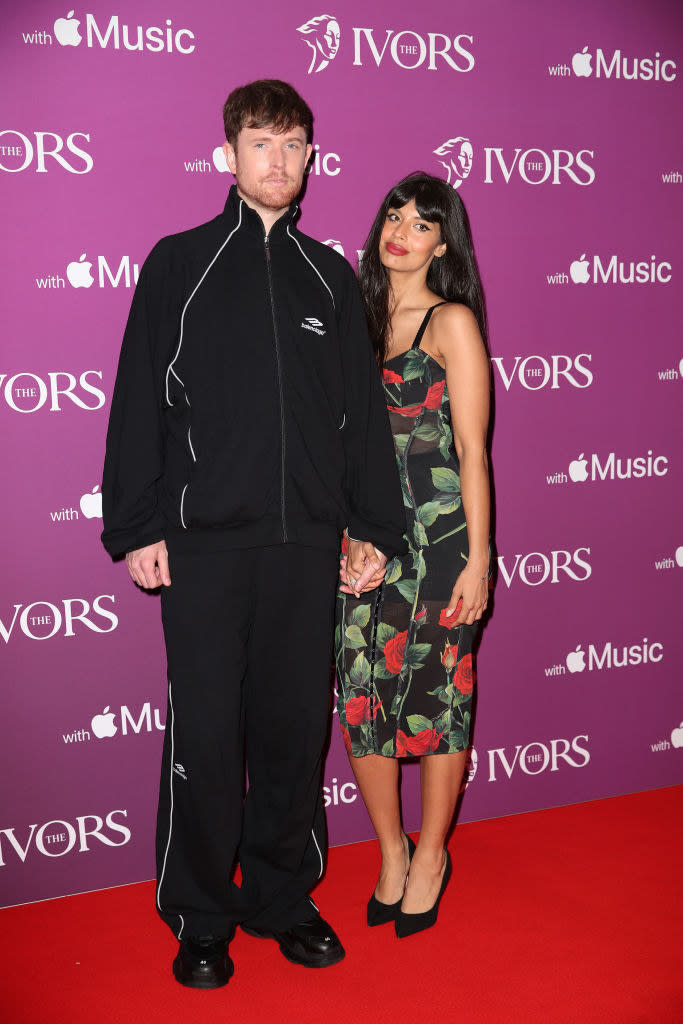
<point x="252" y="218"/>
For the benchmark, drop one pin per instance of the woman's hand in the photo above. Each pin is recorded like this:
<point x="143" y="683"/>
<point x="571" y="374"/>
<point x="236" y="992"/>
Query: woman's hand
<point x="469" y="597"/>
<point x="361" y="571"/>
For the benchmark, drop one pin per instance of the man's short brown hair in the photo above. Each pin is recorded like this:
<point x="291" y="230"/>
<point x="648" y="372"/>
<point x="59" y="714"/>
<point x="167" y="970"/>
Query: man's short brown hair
<point x="267" y="103"/>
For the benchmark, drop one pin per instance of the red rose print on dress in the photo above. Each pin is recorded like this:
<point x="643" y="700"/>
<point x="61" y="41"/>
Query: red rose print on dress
<point x="464" y="675"/>
<point x="406" y="410"/>
<point x="434" y="395"/>
<point x="394" y="650"/>
<point x="355" y="710"/>
<point x="362" y="709"/>
<point x="449" y="656"/>
<point x="347" y="738"/>
<point x="424" y="741"/>
<point x="392" y="378"/>
<point x="448" y="620"/>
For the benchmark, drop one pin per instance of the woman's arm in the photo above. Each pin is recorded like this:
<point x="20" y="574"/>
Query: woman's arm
<point x="458" y="343"/>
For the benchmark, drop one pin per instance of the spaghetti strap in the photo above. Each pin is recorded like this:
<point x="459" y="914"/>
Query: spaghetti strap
<point x="423" y="325"/>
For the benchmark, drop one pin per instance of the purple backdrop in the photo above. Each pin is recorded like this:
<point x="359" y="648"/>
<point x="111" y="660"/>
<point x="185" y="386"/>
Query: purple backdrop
<point x="558" y="126"/>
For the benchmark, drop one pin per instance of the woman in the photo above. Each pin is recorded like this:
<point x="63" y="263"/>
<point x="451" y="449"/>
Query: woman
<point x="404" y="644"/>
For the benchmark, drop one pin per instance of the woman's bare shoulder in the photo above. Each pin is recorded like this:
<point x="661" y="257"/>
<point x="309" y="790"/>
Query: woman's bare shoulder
<point x="455" y="326"/>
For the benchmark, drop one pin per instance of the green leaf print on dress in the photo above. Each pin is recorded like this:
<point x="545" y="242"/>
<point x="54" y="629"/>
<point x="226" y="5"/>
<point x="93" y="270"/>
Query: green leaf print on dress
<point x="405" y="681"/>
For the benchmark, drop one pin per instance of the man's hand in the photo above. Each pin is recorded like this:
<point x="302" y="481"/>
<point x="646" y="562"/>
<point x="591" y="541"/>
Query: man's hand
<point x="148" y="567"/>
<point x="363" y="563"/>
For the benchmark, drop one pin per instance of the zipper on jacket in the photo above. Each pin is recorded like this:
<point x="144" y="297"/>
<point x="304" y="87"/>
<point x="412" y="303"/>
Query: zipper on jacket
<point x="279" y="384"/>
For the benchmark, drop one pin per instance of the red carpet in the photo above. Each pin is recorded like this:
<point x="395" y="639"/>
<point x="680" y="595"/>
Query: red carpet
<point x="567" y="915"/>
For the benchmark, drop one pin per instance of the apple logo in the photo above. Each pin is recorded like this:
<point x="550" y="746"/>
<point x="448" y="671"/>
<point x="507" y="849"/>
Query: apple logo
<point x="677" y="736"/>
<point x="66" y="30"/>
<point x="79" y="274"/>
<point x="581" y="64"/>
<point x="579" y="271"/>
<point x="91" y="504"/>
<point x="577" y="470"/>
<point x="103" y="725"/>
<point x="680" y="368"/>
<point x="334" y="244"/>
<point x="679" y="556"/>
<point x="219" y="161"/>
<point x="575" y="660"/>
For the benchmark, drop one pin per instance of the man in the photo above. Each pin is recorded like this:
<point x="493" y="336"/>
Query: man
<point x="247" y="430"/>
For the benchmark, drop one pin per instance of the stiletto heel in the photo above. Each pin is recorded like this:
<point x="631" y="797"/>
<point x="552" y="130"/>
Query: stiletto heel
<point x="383" y="913"/>
<point x="408" y="924"/>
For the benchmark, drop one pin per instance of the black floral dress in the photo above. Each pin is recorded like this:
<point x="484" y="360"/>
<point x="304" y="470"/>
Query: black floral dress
<point x="404" y="675"/>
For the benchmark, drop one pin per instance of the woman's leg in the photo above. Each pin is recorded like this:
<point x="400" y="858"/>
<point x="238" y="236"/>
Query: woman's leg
<point x="440" y="779"/>
<point x="377" y="779"/>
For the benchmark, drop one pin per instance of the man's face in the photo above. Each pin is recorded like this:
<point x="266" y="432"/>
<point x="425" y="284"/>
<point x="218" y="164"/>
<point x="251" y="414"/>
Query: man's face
<point x="269" y="167"/>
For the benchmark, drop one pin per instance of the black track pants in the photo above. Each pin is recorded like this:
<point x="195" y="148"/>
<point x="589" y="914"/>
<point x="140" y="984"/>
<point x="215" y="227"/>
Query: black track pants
<point x="248" y="639"/>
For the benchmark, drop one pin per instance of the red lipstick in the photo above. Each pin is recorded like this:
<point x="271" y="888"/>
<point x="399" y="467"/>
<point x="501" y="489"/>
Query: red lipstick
<point x="395" y="250"/>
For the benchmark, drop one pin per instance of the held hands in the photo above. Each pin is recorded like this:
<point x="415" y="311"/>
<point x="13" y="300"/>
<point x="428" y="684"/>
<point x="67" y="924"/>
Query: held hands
<point x="469" y="597"/>
<point x="148" y="566"/>
<point x="362" y="569"/>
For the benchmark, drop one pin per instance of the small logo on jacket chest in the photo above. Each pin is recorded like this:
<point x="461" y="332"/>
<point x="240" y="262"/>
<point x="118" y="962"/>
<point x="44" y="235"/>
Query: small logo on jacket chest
<point x="311" y="323"/>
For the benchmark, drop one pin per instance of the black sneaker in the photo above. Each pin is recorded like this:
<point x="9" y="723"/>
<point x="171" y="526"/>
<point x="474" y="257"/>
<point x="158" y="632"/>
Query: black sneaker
<point x="311" y="944"/>
<point x="203" y="962"/>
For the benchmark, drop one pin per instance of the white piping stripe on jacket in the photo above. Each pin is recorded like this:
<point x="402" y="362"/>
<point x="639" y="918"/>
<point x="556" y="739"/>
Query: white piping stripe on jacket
<point x="313" y="265"/>
<point x="189" y="439"/>
<point x="182" y="499"/>
<point x="322" y="866"/>
<point x="194" y="292"/>
<point x="170" y="819"/>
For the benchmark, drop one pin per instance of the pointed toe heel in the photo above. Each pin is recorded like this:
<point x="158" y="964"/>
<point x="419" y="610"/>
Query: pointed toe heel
<point x="382" y="913"/>
<point x="409" y="924"/>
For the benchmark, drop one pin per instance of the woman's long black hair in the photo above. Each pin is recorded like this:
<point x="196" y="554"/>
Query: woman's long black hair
<point x="454" y="276"/>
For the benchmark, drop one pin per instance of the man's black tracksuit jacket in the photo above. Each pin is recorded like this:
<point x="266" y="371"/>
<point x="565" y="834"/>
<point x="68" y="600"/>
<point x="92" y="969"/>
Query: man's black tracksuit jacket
<point x="247" y="429"/>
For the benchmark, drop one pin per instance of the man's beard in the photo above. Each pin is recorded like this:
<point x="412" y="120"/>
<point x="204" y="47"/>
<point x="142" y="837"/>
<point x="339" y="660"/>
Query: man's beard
<point x="273" y="197"/>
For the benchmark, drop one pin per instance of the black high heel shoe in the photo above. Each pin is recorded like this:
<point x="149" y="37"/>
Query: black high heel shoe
<point x="382" y="913"/>
<point x="408" y="924"/>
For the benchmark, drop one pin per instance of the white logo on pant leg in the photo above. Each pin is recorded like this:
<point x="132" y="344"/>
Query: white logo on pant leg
<point x="323" y="35"/>
<point x="458" y="163"/>
<point x="180" y="770"/>
<point x="311" y="323"/>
